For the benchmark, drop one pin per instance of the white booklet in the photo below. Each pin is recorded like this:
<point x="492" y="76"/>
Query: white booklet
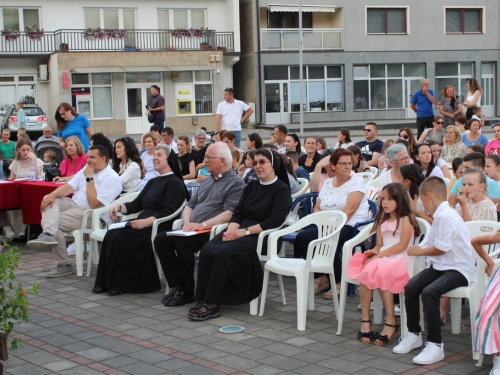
<point x="123" y="224"/>
<point x="181" y="233"/>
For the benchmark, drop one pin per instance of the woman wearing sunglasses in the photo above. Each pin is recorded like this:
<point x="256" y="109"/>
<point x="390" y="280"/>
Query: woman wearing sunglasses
<point x="406" y="134"/>
<point x="436" y="133"/>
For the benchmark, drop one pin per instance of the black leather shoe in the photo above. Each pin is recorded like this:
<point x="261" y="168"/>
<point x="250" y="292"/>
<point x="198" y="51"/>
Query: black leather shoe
<point x="178" y="299"/>
<point x="98" y="290"/>
<point x="114" y="293"/>
<point x="172" y="292"/>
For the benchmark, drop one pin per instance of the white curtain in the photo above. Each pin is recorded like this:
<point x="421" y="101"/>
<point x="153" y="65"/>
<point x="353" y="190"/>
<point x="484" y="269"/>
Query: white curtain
<point x="92" y="19"/>
<point x="102" y="103"/>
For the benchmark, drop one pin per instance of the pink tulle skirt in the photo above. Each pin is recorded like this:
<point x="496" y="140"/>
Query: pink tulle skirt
<point x="382" y="273"/>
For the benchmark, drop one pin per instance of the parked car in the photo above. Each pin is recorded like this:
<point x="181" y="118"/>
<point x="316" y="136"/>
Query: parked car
<point x="36" y="119"/>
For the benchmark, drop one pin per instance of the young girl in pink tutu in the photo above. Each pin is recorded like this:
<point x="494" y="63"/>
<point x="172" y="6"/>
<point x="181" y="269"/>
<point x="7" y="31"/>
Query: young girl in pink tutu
<point x="385" y="266"/>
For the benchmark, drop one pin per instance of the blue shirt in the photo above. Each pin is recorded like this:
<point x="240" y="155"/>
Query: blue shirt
<point x="423" y="104"/>
<point x="302" y="173"/>
<point x="491" y="186"/>
<point x="77" y="127"/>
<point x="21" y="119"/>
<point x="482" y="140"/>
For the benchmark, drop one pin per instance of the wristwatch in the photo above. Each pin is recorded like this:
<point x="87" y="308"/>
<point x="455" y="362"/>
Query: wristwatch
<point x="247" y="232"/>
<point x="88" y="179"/>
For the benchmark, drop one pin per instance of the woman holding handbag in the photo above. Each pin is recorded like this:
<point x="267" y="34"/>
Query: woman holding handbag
<point x="450" y="106"/>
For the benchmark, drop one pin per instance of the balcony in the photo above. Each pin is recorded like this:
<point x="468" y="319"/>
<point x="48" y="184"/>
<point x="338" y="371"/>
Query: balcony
<point x="288" y="39"/>
<point x="115" y="40"/>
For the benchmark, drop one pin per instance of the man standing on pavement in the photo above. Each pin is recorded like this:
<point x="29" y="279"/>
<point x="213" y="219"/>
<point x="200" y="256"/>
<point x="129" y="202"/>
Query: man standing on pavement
<point x="280" y="132"/>
<point x="230" y="111"/>
<point x="422" y="105"/>
<point x="371" y="147"/>
<point x="167" y="138"/>
<point x="94" y="186"/>
<point x="21" y="116"/>
<point x="213" y="203"/>
<point x="157" y="107"/>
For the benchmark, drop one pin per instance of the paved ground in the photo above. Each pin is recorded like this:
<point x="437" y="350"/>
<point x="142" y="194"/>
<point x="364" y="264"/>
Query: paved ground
<point x="73" y="331"/>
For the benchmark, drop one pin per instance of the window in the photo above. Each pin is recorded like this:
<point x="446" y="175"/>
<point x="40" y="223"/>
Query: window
<point x="110" y="19"/>
<point x="181" y="18"/>
<point x="15" y="89"/>
<point x="455" y="74"/>
<point x="386" y="21"/>
<point x="380" y="86"/>
<point x="289" y="20"/>
<point x="19" y="18"/>
<point x="198" y="82"/>
<point x="100" y="93"/>
<point x="462" y="21"/>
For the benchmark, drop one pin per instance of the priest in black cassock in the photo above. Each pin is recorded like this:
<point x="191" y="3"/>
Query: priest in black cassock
<point x="229" y="271"/>
<point x="127" y="263"/>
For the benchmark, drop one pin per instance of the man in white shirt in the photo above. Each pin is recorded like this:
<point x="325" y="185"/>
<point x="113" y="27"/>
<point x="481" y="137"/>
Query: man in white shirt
<point x="167" y="138"/>
<point x="230" y="111"/>
<point x="449" y="266"/>
<point x="280" y="132"/>
<point x="94" y="186"/>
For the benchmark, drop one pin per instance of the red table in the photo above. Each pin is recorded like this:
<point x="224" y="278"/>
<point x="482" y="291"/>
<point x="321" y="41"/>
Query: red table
<point x="31" y="194"/>
<point x="9" y="195"/>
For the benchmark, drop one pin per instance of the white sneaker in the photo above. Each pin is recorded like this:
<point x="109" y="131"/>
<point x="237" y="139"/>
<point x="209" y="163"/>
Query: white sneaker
<point x="408" y="342"/>
<point x="371" y="306"/>
<point x="432" y="353"/>
<point x="72" y="249"/>
<point x="9" y="233"/>
<point x="397" y="310"/>
<point x="495" y="370"/>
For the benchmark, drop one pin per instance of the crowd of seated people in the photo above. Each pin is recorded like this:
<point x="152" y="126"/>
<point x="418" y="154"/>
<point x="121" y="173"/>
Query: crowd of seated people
<point x="449" y="176"/>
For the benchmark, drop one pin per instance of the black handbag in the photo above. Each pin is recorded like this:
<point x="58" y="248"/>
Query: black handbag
<point x="51" y="171"/>
<point x="151" y="117"/>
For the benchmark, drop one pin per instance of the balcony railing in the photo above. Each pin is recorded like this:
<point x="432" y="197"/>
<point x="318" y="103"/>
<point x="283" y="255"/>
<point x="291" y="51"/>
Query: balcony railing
<point x="288" y="39"/>
<point x="119" y="40"/>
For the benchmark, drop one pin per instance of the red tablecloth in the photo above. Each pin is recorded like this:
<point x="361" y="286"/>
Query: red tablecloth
<point x="9" y="195"/>
<point x="31" y="194"/>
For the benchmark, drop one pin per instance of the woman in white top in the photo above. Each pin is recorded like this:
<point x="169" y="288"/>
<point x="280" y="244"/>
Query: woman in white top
<point x="473" y="97"/>
<point x="397" y="155"/>
<point x="150" y="141"/>
<point x="423" y="156"/>
<point x="127" y="163"/>
<point x="20" y="168"/>
<point x="440" y="163"/>
<point x="346" y="193"/>
<point x="344" y="138"/>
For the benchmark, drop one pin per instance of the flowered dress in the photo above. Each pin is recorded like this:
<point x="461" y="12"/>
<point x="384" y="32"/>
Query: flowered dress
<point x="488" y="318"/>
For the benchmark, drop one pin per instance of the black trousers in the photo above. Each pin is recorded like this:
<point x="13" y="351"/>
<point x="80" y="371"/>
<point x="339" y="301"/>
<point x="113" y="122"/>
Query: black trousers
<point x="305" y="236"/>
<point x="424" y="123"/>
<point x="431" y="284"/>
<point x="177" y="258"/>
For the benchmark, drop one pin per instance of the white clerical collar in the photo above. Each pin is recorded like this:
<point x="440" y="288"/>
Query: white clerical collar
<point x="166" y="174"/>
<point x="270" y="182"/>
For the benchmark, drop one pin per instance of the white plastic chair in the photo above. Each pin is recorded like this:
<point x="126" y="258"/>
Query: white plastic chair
<point x="80" y="242"/>
<point x="372" y="193"/>
<point x="365" y="176"/>
<point x="373" y="182"/>
<point x="189" y="181"/>
<point x="303" y="186"/>
<point x="475" y="290"/>
<point x="320" y="257"/>
<point x="374" y="170"/>
<point x="134" y="189"/>
<point x="414" y="266"/>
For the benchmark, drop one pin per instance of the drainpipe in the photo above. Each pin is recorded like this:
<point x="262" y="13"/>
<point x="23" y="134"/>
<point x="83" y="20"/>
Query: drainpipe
<point x="259" y="63"/>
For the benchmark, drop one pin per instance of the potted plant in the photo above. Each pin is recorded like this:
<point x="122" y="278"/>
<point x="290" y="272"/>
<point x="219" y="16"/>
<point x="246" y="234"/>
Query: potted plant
<point x="91" y="34"/>
<point x="13" y="300"/>
<point x="11" y="34"/>
<point x="205" y="45"/>
<point x="223" y="49"/>
<point x="130" y="48"/>
<point x="33" y="32"/>
<point x="64" y="47"/>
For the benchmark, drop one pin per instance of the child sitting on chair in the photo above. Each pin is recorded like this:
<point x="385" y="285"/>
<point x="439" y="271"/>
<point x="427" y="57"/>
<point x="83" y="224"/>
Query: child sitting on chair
<point x="449" y="266"/>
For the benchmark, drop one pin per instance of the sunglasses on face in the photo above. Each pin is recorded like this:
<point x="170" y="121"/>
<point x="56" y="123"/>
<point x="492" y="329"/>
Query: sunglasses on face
<point x="259" y="162"/>
<point x="405" y="137"/>
<point x="367" y="130"/>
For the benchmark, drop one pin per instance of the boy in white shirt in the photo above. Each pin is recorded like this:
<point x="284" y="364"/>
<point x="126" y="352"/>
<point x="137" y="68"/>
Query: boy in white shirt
<point x="449" y="266"/>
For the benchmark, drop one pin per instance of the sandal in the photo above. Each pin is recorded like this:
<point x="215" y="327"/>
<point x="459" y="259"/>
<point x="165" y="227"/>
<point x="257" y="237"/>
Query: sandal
<point x="382" y="340"/>
<point x="320" y="286"/>
<point x="198" y="315"/>
<point x="329" y="295"/>
<point x="365" y="335"/>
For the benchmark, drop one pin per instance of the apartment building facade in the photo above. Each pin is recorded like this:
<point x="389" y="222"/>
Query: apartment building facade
<point x="363" y="60"/>
<point x="103" y="57"/>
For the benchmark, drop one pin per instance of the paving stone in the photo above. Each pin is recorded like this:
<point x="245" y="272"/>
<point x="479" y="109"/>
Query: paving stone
<point x="173" y="364"/>
<point x="338" y="364"/>
<point x="40" y="358"/>
<point x="81" y="370"/>
<point x="119" y="361"/>
<point x="97" y="354"/>
<point x="60" y="365"/>
<point x="196" y="370"/>
<point x="142" y="368"/>
<point x="265" y="370"/>
<point x="283" y="349"/>
<point x="283" y="362"/>
<point x="150" y="356"/>
<point x="30" y="369"/>
<point x="237" y="362"/>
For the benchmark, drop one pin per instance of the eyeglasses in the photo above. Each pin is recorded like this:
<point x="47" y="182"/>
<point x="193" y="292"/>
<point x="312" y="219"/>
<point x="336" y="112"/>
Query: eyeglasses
<point x="367" y="130"/>
<point x="260" y="162"/>
<point x="402" y="160"/>
<point x="405" y="137"/>
<point x="206" y="157"/>
<point x="200" y="138"/>
<point x="63" y="113"/>
<point x="440" y="122"/>
<point x="345" y="164"/>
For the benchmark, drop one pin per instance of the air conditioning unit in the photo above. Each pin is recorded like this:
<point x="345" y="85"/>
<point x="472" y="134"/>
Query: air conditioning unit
<point x="43" y="72"/>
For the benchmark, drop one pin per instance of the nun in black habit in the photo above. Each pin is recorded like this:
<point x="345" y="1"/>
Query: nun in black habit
<point x="127" y="263"/>
<point x="229" y="270"/>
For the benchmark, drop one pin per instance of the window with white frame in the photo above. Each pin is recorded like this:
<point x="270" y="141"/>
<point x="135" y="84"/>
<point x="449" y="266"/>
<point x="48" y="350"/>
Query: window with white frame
<point x="454" y="74"/>
<point x="380" y="86"/>
<point x="17" y="88"/>
<point x="100" y="91"/>
<point x="201" y="85"/>
<point x="181" y="19"/>
<point x="464" y="21"/>
<point x="386" y="20"/>
<point x="112" y="19"/>
<point x="19" y="18"/>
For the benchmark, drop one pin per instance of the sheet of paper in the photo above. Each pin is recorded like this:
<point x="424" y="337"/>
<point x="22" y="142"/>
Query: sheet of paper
<point x="181" y="233"/>
<point x="123" y="224"/>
